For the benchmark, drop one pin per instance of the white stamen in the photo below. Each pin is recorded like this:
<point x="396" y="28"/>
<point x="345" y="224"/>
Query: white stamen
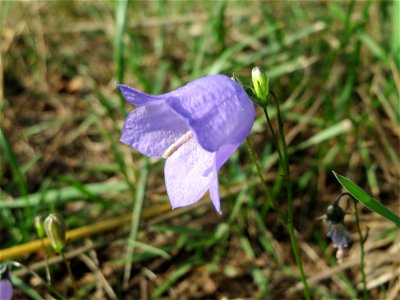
<point x="177" y="144"/>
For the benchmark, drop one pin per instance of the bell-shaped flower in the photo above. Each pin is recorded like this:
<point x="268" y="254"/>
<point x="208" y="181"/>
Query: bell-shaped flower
<point x="339" y="235"/>
<point x="196" y="128"/>
<point x="337" y="231"/>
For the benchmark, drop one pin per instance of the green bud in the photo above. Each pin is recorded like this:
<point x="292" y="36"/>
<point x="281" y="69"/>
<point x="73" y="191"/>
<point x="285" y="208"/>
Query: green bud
<point x="39" y="226"/>
<point x="335" y="214"/>
<point x="55" y="229"/>
<point x="260" y="85"/>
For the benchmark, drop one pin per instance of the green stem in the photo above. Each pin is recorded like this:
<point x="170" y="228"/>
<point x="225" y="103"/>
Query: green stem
<point x="275" y="140"/>
<point x="48" y="274"/>
<point x="284" y="161"/>
<point x="270" y="199"/>
<point x="362" y="240"/>
<point x="253" y="157"/>
<point x="71" y="276"/>
<point x="136" y="215"/>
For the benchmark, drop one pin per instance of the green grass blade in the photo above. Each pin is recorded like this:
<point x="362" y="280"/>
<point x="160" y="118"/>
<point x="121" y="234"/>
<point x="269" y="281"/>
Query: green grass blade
<point x="396" y="32"/>
<point x="9" y="156"/>
<point x="174" y="276"/>
<point x="66" y="194"/>
<point x="327" y="134"/>
<point x="136" y="213"/>
<point x="359" y="194"/>
<point x="25" y="288"/>
<point x="374" y="47"/>
<point x="120" y="19"/>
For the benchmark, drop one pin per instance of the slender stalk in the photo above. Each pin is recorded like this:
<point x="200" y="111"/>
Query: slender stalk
<point x="253" y="157"/>
<point x="271" y="129"/>
<point x="362" y="240"/>
<point x="46" y="258"/>
<point x="71" y="276"/>
<point x="270" y="199"/>
<point x="136" y="215"/>
<point x="284" y="161"/>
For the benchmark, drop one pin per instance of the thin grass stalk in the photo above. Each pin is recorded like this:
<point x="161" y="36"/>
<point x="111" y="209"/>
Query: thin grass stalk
<point x="284" y="161"/>
<point x="136" y="214"/>
<point x="253" y="157"/>
<point x="71" y="275"/>
<point x="46" y="258"/>
<point x="121" y="7"/>
<point x="362" y="240"/>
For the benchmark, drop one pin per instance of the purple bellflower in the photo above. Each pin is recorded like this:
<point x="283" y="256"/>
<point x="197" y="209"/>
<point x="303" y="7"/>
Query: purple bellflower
<point x="337" y="231"/>
<point x="196" y="128"/>
<point x="339" y="235"/>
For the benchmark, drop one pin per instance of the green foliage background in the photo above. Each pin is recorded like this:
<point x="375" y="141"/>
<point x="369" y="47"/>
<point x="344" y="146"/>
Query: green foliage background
<point x="334" y="66"/>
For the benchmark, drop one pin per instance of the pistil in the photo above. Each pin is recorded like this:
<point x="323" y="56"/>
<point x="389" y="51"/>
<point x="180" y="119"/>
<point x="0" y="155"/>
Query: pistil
<point x="177" y="144"/>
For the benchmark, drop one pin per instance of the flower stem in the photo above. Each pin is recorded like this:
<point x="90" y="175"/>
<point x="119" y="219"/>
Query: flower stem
<point x="268" y="195"/>
<point x="48" y="274"/>
<point x="284" y="162"/>
<point x="253" y="157"/>
<point x="71" y="276"/>
<point x="362" y="240"/>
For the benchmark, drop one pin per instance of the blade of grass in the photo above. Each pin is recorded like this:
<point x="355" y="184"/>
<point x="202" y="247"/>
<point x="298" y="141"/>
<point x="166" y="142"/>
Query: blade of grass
<point x="25" y="288"/>
<point x="66" y="194"/>
<point x="375" y="48"/>
<point x="120" y="19"/>
<point x="326" y="134"/>
<point x="121" y="7"/>
<point x="374" y="205"/>
<point x="396" y="32"/>
<point x="18" y="178"/>
<point x="177" y="273"/>
<point x="136" y="213"/>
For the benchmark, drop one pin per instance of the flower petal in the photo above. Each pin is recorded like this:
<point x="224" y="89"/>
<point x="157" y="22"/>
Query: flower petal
<point x="136" y="97"/>
<point x="214" y="190"/>
<point x="224" y="153"/>
<point x="339" y="235"/>
<point x="187" y="173"/>
<point x="6" y="288"/>
<point x="151" y="129"/>
<point x="217" y="109"/>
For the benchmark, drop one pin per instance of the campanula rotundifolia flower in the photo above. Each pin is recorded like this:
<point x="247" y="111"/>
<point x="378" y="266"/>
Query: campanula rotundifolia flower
<point x="196" y="128"/>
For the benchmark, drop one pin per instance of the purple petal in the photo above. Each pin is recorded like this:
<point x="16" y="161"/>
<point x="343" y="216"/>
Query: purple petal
<point x="214" y="190"/>
<point x="151" y="129"/>
<point x="339" y="235"/>
<point x="217" y="109"/>
<point x="136" y="97"/>
<point x="6" y="289"/>
<point x="187" y="173"/>
<point x="224" y="153"/>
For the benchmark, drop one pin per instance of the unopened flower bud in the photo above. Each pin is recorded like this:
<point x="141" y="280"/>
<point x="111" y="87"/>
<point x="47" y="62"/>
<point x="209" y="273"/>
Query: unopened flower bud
<point x="55" y="229"/>
<point x="335" y="213"/>
<point x="261" y="85"/>
<point x="39" y="226"/>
